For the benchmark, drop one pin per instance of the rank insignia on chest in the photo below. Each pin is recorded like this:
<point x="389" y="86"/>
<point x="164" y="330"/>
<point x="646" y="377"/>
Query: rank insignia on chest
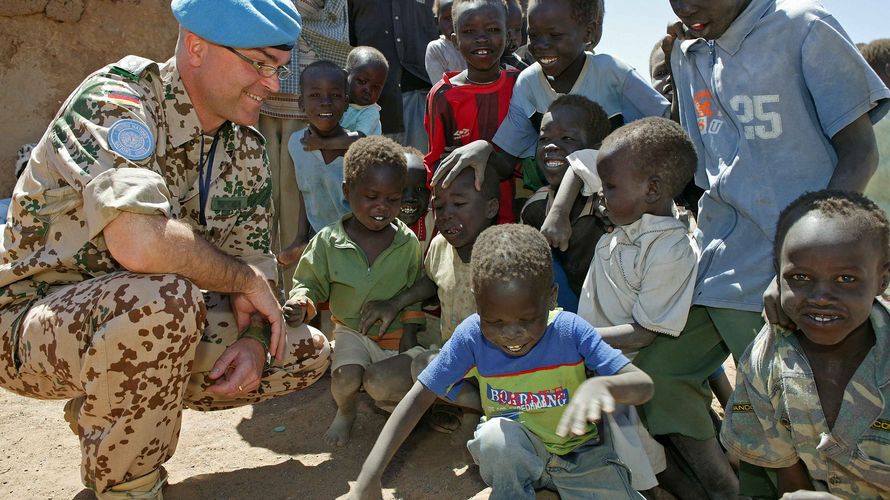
<point x="228" y="203"/>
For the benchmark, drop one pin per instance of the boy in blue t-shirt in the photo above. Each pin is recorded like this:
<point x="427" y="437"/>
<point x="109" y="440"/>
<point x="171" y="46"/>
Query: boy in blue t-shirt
<point x="531" y="364"/>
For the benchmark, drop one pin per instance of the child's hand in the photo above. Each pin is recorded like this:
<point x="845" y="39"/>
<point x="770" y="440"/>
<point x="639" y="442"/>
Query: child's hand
<point x="772" y="307"/>
<point x="591" y="400"/>
<point x="557" y="230"/>
<point x="474" y="155"/>
<point x="602" y="213"/>
<point x="310" y="141"/>
<point x="290" y="255"/>
<point x="295" y="311"/>
<point x="383" y="311"/>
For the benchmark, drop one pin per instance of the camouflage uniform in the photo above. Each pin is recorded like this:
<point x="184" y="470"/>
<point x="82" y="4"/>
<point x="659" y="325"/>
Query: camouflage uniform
<point x="775" y="417"/>
<point x="131" y="349"/>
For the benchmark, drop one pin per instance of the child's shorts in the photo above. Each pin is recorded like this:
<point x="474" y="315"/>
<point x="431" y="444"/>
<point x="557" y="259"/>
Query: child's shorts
<point x="515" y="462"/>
<point x="353" y="348"/>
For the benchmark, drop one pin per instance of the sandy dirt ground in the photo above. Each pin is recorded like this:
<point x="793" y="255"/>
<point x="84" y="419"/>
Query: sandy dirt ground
<point x="273" y="450"/>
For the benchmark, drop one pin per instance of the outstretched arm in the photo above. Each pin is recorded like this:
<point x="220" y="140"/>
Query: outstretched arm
<point x="629" y="337"/>
<point x="397" y="428"/>
<point x="557" y="227"/>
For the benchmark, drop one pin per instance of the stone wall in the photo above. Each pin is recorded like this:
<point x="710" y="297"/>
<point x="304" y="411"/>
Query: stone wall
<point x="48" y="46"/>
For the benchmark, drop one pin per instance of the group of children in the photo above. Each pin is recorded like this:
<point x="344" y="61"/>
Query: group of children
<point x="590" y="363"/>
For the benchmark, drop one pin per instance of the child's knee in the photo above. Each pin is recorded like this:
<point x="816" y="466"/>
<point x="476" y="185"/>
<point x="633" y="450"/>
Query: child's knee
<point x="495" y="438"/>
<point x="421" y="361"/>
<point x="348" y="376"/>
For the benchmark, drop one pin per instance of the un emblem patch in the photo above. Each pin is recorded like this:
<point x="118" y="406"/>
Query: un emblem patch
<point x="131" y="139"/>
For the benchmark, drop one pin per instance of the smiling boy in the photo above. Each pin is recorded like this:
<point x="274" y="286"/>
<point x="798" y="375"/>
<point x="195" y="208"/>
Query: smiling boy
<point x="531" y="364"/>
<point x="811" y="402"/>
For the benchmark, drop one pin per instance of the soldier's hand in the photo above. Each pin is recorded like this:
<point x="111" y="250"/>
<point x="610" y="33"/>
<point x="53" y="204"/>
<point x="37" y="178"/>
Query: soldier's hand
<point x="239" y="369"/>
<point x="474" y="155"/>
<point x="260" y="299"/>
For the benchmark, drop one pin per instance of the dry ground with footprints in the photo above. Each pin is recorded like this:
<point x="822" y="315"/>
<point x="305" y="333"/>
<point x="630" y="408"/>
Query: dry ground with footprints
<point x="272" y="450"/>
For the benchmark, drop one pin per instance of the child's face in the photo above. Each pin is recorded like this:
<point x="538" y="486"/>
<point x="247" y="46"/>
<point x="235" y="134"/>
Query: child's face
<point x="562" y="133"/>
<point x="514" y="27"/>
<point x="625" y="189"/>
<point x="660" y="73"/>
<point x="708" y="19"/>
<point x="366" y="82"/>
<point x="462" y="212"/>
<point x="829" y="277"/>
<point x="376" y="197"/>
<point x="416" y="195"/>
<point x="324" y="99"/>
<point x="481" y="35"/>
<point x="446" y="23"/>
<point x="513" y="315"/>
<point x="555" y="37"/>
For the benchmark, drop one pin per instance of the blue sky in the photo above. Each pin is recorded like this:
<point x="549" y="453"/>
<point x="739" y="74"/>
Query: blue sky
<point x="633" y="26"/>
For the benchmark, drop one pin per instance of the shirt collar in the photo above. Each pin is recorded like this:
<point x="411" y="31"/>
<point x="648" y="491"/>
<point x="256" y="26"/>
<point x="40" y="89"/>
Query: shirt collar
<point x="650" y="223"/>
<point x="176" y="100"/>
<point x="744" y="24"/>
<point x="341" y="239"/>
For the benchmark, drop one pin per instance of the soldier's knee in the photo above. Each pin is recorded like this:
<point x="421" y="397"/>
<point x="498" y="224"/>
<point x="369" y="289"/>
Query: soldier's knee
<point x="168" y="297"/>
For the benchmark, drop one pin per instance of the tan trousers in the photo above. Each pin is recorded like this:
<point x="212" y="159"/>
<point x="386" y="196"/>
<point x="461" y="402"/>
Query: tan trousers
<point x="285" y="192"/>
<point x="132" y="350"/>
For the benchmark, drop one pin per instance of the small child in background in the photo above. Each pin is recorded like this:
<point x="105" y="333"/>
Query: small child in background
<point x="812" y="403"/>
<point x="369" y="254"/>
<point x="515" y="20"/>
<point x="366" y="70"/>
<point x="638" y="293"/>
<point x="531" y="364"/>
<point x="441" y="54"/>
<point x="319" y="172"/>
<point x="415" y="211"/>
<point x="572" y="123"/>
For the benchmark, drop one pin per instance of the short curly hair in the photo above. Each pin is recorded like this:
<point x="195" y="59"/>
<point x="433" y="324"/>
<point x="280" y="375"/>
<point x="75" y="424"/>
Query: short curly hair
<point x="323" y="67"/>
<point x="585" y="12"/>
<point x="509" y="251"/>
<point x="853" y="208"/>
<point x="877" y="54"/>
<point x="458" y="5"/>
<point x="596" y="124"/>
<point x="660" y="147"/>
<point x="363" y="55"/>
<point x="372" y="152"/>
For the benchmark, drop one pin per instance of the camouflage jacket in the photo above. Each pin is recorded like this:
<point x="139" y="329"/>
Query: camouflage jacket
<point x="775" y="417"/>
<point x="128" y="139"/>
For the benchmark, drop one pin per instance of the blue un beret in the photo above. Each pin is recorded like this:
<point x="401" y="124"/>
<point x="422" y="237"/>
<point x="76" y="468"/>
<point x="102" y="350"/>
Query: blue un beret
<point x="243" y="24"/>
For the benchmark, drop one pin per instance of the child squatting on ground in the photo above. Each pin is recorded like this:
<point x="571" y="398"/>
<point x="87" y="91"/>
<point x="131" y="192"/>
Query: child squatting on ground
<point x="369" y="254"/>
<point x="531" y="363"/>
<point x="812" y="402"/>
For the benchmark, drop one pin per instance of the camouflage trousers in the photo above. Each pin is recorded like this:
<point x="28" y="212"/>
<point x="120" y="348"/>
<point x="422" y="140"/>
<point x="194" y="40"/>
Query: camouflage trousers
<point x="131" y="350"/>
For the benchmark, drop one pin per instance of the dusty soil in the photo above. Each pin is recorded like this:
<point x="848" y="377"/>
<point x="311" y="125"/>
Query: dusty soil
<point x="243" y="453"/>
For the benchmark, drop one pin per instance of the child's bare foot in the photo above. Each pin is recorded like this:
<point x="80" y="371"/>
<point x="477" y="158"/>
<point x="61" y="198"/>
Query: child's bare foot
<point x="340" y="429"/>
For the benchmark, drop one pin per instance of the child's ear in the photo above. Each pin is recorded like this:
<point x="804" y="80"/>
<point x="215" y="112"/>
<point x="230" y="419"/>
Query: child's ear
<point x="491" y="208"/>
<point x="653" y="193"/>
<point x="554" y="293"/>
<point x="885" y="278"/>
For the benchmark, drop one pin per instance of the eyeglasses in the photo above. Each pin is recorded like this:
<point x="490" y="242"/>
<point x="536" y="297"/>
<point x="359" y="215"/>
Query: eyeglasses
<point x="265" y="70"/>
